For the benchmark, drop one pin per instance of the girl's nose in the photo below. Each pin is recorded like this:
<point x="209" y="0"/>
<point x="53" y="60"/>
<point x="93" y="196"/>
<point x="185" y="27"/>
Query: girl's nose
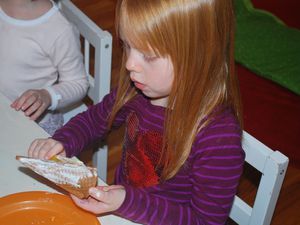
<point x="131" y="62"/>
<point x="130" y="65"/>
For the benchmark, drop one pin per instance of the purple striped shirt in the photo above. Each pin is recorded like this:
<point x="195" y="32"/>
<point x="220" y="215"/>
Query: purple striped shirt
<point x="201" y="192"/>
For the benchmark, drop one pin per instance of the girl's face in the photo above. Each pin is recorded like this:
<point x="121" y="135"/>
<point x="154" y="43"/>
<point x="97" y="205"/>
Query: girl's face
<point x="150" y="74"/>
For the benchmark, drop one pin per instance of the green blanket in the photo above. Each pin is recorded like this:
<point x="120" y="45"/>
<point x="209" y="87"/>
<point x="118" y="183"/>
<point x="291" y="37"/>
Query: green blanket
<point x="266" y="46"/>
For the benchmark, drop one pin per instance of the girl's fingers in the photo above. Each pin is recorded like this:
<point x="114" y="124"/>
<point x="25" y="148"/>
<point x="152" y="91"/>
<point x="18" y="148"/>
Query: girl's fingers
<point x="99" y="193"/>
<point x="105" y="194"/>
<point x="35" y="148"/>
<point x="26" y="100"/>
<point x="28" y="103"/>
<point x="109" y="188"/>
<point x="89" y="204"/>
<point x="36" y="110"/>
<point x="102" y="199"/>
<point x="34" y="106"/>
<point x="45" y="148"/>
<point x="17" y="104"/>
<point x="14" y="104"/>
<point x="56" y="149"/>
<point x="40" y="151"/>
<point x="32" y="147"/>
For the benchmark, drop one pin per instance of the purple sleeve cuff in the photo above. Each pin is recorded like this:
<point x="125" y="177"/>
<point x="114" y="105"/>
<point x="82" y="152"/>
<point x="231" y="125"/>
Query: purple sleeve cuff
<point x="126" y="203"/>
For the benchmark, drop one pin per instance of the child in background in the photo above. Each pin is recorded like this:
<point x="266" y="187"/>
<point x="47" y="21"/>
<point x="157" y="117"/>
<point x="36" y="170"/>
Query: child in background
<point x="41" y="65"/>
<point x="178" y="96"/>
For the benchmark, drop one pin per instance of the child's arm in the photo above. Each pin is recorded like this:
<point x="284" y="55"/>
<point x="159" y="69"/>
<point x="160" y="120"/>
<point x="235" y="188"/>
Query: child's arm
<point x="88" y="127"/>
<point x="66" y="56"/>
<point x="78" y="133"/>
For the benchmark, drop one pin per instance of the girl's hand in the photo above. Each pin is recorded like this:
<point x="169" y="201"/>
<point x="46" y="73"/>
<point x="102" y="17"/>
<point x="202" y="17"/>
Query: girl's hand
<point x="45" y="148"/>
<point x="102" y="199"/>
<point x="33" y="103"/>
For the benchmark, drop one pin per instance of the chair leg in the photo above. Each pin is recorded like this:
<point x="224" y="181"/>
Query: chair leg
<point x="100" y="161"/>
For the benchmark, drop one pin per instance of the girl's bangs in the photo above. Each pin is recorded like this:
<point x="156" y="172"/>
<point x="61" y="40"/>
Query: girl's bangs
<point x="136" y="26"/>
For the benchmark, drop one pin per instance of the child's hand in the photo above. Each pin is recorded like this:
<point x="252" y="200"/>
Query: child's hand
<point x="45" y="148"/>
<point x="33" y="103"/>
<point x="102" y="199"/>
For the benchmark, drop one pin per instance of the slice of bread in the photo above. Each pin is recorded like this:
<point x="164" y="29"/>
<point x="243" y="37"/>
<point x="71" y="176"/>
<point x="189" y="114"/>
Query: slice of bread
<point x="68" y="173"/>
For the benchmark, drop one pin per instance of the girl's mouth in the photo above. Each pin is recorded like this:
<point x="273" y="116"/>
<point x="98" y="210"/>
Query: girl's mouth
<point x="139" y="85"/>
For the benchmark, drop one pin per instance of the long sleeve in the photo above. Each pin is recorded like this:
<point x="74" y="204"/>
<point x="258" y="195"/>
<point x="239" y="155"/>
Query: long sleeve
<point x="203" y="190"/>
<point x="66" y="56"/>
<point x="87" y="127"/>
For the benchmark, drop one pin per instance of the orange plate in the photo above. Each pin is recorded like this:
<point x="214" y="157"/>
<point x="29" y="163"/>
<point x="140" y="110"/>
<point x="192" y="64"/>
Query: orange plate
<point x="42" y="208"/>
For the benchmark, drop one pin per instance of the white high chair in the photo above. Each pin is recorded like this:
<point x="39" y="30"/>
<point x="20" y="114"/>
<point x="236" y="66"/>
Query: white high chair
<point x="99" y="83"/>
<point x="273" y="166"/>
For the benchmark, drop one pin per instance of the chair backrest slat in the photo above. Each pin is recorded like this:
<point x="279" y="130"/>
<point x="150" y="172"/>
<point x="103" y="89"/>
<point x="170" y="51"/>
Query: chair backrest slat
<point x="272" y="166"/>
<point x="87" y="55"/>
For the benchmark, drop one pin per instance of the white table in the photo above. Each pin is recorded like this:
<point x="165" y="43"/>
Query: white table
<point x="16" y="134"/>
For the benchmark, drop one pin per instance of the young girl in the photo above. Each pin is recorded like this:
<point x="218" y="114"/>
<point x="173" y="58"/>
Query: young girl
<point x="178" y="96"/>
<point x="41" y="66"/>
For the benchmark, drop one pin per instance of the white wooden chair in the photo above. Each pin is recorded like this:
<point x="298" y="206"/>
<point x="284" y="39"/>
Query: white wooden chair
<point x="101" y="41"/>
<point x="273" y="166"/>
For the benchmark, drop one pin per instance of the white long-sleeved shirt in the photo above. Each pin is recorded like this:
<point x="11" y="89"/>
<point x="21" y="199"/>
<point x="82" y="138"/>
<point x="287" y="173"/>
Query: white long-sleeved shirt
<point x="41" y="53"/>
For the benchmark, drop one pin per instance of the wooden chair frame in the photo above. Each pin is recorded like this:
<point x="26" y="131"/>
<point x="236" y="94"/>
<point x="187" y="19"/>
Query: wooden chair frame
<point x="101" y="40"/>
<point x="273" y="166"/>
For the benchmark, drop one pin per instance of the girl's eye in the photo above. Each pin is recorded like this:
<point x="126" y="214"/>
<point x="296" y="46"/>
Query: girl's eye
<point x="149" y="58"/>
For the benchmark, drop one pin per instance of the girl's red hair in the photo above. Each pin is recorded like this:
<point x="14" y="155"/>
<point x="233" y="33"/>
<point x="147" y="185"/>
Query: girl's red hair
<point x="198" y="36"/>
